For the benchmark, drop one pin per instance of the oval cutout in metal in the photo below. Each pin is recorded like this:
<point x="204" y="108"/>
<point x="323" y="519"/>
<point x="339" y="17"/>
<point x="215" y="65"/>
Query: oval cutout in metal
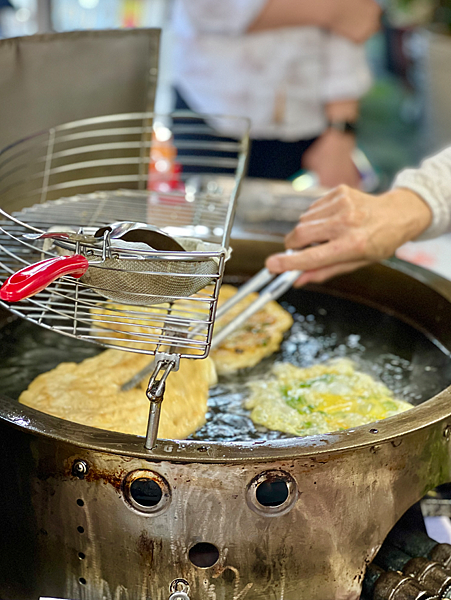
<point x="272" y="493"/>
<point x="146" y="492"/>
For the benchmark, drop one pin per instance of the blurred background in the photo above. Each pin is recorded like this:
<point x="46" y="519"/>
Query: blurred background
<point x="405" y="116"/>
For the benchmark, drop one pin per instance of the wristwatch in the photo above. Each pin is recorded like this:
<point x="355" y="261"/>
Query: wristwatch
<point x="343" y="126"/>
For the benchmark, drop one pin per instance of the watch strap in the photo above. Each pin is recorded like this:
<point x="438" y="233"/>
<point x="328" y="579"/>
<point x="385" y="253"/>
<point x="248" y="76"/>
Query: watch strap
<point x="343" y="126"/>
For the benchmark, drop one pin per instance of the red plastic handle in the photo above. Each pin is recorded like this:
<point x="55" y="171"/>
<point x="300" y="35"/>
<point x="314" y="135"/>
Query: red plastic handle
<point x="35" y="278"/>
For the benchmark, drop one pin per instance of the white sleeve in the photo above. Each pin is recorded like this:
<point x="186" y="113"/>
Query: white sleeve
<point x="225" y="17"/>
<point x="347" y="75"/>
<point x="431" y="181"/>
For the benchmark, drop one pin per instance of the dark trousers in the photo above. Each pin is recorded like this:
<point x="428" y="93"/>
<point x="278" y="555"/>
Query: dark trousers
<point x="269" y="159"/>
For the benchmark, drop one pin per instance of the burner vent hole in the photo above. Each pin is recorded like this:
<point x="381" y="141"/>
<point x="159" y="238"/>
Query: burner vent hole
<point x="146" y="492"/>
<point x="272" y="493"/>
<point x="81" y="555"/>
<point x="80" y="502"/>
<point x="82" y="580"/>
<point x="80" y="529"/>
<point x="204" y="555"/>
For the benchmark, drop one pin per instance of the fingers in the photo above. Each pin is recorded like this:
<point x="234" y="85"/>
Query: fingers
<point x="321" y="210"/>
<point x="326" y="220"/>
<point x="279" y="263"/>
<point x="339" y="233"/>
<point x="321" y="275"/>
<point x="349" y="248"/>
<point x="328" y="203"/>
<point x="312" y="232"/>
<point x="342" y="212"/>
<point x="311" y="258"/>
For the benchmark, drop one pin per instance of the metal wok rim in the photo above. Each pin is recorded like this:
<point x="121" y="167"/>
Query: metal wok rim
<point x="429" y="412"/>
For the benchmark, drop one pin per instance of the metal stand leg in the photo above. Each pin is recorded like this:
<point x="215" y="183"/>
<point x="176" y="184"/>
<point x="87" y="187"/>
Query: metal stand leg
<point x="152" y="424"/>
<point x="164" y="364"/>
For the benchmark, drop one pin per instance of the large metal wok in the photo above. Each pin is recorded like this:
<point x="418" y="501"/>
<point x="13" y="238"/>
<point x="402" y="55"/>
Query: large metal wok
<point x="89" y="514"/>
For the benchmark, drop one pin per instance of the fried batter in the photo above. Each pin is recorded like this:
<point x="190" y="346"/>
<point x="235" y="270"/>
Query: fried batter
<point x="260" y="337"/>
<point x="89" y="393"/>
<point x="320" y="398"/>
<point x="246" y="347"/>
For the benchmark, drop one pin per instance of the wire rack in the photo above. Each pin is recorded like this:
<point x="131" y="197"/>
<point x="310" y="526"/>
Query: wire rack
<point x="157" y="169"/>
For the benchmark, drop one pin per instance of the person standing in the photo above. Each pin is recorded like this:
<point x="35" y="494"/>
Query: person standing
<point x="297" y="69"/>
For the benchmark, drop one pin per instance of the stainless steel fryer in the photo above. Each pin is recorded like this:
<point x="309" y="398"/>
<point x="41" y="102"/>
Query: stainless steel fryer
<point x="74" y="522"/>
<point x="99" y="517"/>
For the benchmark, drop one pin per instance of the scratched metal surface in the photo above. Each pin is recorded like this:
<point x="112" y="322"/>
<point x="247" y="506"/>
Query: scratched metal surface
<point x="80" y="539"/>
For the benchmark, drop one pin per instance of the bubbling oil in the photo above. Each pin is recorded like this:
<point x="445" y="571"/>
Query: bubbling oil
<point x="410" y="364"/>
<point x="419" y="373"/>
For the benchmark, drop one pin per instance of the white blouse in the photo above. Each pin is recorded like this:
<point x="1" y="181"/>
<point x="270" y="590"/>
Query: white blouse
<point x="279" y="78"/>
<point x="432" y="181"/>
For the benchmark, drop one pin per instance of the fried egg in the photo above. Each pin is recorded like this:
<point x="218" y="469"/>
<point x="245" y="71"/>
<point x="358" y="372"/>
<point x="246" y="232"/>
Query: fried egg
<point x="320" y="399"/>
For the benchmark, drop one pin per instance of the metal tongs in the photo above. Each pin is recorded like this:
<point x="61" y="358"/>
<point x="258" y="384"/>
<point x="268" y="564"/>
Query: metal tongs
<point x="164" y="363"/>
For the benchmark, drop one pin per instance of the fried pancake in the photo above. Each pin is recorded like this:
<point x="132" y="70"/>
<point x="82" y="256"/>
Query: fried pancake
<point x="89" y="393"/>
<point x="260" y="337"/>
<point x="115" y="323"/>
<point x="143" y="325"/>
<point x="246" y="347"/>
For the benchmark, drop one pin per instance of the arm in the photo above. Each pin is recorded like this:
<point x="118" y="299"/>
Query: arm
<point x="213" y="17"/>
<point x="345" y="78"/>
<point x="355" y="19"/>
<point x="432" y="181"/>
<point x="348" y="229"/>
<point x="330" y="157"/>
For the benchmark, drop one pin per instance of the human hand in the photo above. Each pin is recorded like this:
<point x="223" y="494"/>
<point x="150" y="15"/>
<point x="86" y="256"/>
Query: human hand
<point x="356" y="20"/>
<point x="330" y="157"/>
<point x="347" y="229"/>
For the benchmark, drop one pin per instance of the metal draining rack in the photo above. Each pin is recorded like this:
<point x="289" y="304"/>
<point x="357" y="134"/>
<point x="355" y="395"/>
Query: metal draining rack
<point x="158" y="169"/>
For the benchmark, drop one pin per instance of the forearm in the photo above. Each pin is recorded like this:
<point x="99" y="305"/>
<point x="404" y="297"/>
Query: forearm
<point x="210" y="17"/>
<point x="342" y="110"/>
<point x="289" y="13"/>
<point x="355" y="19"/>
<point x="331" y="156"/>
<point x="344" y="80"/>
<point x="346" y="76"/>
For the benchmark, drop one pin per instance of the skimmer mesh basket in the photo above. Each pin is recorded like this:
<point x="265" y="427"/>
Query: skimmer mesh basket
<point x="158" y="169"/>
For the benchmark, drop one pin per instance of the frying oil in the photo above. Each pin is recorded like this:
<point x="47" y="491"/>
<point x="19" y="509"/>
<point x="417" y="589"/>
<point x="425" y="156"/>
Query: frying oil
<point x="405" y="360"/>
